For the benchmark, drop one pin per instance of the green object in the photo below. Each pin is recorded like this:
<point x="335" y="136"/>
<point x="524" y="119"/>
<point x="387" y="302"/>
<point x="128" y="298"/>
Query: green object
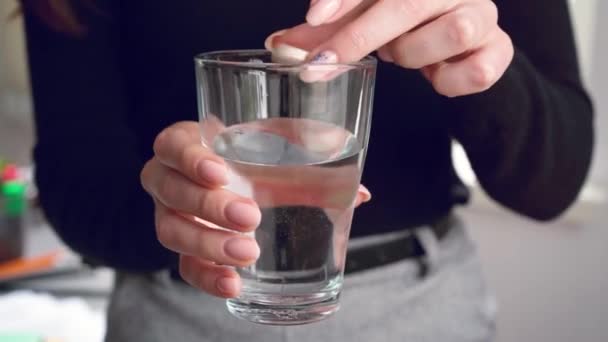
<point x="25" y="337"/>
<point x="14" y="199"/>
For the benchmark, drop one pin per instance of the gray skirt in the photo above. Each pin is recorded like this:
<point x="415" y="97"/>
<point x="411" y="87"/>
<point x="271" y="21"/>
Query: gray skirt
<point x="388" y="303"/>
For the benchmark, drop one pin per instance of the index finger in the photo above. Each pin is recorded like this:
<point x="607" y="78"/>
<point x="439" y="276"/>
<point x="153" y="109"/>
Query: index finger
<point x="309" y="35"/>
<point x="179" y="147"/>
<point x="330" y="11"/>
<point x="380" y="24"/>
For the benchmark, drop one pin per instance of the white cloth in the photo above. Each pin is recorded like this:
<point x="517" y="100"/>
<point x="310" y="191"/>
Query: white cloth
<point x="69" y="319"/>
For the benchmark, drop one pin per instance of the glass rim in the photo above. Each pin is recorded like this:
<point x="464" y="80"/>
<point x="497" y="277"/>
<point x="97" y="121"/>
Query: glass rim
<point x="210" y="58"/>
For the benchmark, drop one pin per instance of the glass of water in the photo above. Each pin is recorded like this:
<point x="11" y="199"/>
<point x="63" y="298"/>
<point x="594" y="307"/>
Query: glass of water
<point x="294" y="138"/>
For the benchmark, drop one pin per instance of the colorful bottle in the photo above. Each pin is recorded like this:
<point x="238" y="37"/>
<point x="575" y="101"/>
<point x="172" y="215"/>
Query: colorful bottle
<point x="11" y="219"/>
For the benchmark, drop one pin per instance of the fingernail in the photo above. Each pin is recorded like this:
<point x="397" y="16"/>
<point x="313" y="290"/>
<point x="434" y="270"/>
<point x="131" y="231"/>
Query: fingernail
<point x="284" y="53"/>
<point x="321" y="11"/>
<point x="242" y="249"/>
<point x="227" y="285"/>
<point x="243" y="214"/>
<point x="268" y="43"/>
<point x="325" y="57"/>
<point x="212" y="172"/>
<point x="316" y="71"/>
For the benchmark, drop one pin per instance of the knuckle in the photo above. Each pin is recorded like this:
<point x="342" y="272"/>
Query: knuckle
<point x="200" y="244"/>
<point x="161" y="140"/>
<point x="439" y="87"/>
<point x="179" y="134"/>
<point x="184" y="158"/>
<point x="203" y="206"/>
<point x="164" y="230"/>
<point x="410" y="54"/>
<point x="409" y="8"/>
<point x="358" y="40"/>
<point x="201" y="280"/>
<point x="208" y="206"/>
<point x="461" y="31"/>
<point x="438" y="81"/>
<point x="144" y="175"/>
<point x="510" y="53"/>
<point x="385" y="54"/>
<point x="165" y="187"/>
<point x="399" y="54"/>
<point x="492" y="11"/>
<point x="510" y="50"/>
<point x="404" y="62"/>
<point x="446" y="91"/>
<point x="482" y="75"/>
<point x="190" y="156"/>
<point x="184" y="269"/>
<point x="191" y="127"/>
<point x="191" y="272"/>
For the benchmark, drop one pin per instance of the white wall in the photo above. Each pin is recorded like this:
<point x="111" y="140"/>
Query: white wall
<point x="585" y="16"/>
<point x="13" y="70"/>
<point x="598" y="83"/>
<point x="15" y="105"/>
<point x="551" y="280"/>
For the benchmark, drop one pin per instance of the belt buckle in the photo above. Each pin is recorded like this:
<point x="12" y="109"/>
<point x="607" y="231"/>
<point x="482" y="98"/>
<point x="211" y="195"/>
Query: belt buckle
<point x="429" y="243"/>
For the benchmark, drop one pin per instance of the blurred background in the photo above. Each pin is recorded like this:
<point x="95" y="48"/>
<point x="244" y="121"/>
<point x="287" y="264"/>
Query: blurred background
<point x="548" y="279"/>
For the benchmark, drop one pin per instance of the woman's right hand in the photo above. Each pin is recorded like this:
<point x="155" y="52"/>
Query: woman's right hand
<point x="185" y="180"/>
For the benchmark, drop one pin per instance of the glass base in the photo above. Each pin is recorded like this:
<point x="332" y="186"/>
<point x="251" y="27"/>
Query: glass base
<point x="276" y="314"/>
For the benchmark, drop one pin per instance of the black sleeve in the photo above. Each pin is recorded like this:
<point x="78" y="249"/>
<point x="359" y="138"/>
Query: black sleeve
<point x="87" y="164"/>
<point x="530" y="137"/>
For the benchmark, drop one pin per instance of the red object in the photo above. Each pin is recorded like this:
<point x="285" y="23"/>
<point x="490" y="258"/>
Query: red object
<point x="10" y="173"/>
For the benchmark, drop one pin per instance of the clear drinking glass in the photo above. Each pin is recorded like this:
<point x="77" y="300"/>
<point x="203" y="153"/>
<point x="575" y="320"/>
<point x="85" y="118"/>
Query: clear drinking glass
<point x="294" y="137"/>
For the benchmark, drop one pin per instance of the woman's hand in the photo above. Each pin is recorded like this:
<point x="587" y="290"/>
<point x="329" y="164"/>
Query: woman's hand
<point x="457" y="44"/>
<point x="185" y="179"/>
<point x="186" y="182"/>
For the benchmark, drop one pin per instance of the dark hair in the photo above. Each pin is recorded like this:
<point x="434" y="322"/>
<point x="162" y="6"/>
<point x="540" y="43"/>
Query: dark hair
<point x="59" y="15"/>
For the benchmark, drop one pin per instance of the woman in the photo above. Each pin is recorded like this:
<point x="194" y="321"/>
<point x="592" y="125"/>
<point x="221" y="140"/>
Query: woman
<point x="116" y="83"/>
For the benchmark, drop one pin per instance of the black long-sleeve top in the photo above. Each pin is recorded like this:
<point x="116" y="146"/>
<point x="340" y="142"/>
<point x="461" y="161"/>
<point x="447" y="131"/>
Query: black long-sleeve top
<point x="100" y="99"/>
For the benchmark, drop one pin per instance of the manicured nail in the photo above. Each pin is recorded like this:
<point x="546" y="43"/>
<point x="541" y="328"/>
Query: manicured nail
<point x="213" y="172"/>
<point x="325" y="57"/>
<point x="269" y="42"/>
<point x="321" y="11"/>
<point x="316" y="71"/>
<point x="243" y="214"/>
<point x="284" y="53"/>
<point x="242" y="249"/>
<point x="227" y="285"/>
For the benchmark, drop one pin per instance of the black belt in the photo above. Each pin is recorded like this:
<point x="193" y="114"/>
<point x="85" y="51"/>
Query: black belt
<point x="384" y="253"/>
<point x="405" y="247"/>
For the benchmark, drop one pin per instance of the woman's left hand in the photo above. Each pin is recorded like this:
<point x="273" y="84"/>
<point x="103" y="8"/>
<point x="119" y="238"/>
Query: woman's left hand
<point x="457" y="44"/>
